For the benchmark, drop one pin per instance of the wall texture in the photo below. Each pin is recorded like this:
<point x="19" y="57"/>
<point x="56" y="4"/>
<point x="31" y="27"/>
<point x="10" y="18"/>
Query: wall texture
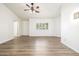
<point x="7" y="19"/>
<point x="70" y="26"/>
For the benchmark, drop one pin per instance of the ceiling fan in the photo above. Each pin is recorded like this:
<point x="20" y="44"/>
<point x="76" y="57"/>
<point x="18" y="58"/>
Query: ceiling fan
<point x="32" y="8"/>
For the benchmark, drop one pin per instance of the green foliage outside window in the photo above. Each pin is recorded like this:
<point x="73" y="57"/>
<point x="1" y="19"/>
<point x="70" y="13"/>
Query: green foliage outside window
<point x="42" y="26"/>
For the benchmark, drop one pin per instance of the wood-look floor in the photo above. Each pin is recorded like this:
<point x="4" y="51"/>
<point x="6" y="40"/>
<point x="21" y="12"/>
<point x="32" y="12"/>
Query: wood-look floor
<point x="35" y="46"/>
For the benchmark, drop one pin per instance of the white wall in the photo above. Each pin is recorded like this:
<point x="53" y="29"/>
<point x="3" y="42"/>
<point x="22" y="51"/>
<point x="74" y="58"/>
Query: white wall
<point x="70" y="26"/>
<point x="53" y="27"/>
<point x="57" y="27"/>
<point x="7" y="19"/>
<point x="25" y="27"/>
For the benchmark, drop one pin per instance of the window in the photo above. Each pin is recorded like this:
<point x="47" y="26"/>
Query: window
<point x="76" y="15"/>
<point x="42" y="26"/>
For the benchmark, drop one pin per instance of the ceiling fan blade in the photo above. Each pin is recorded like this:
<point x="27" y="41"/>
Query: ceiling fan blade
<point x="26" y="9"/>
<point x="37" y="7"/>
<point x="28" y="5"/>
<point x="36" y="11"/>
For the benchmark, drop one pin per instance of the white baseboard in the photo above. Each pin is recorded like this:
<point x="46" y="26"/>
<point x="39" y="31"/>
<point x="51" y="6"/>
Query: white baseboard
<point x="69" y="46"/>
<point x="8" y="39"/>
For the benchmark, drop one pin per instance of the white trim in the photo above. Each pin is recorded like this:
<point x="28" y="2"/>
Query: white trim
<point x="69" y="46"/>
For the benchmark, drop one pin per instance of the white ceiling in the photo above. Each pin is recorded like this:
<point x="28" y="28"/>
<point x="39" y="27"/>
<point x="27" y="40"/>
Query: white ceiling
<point x="47" y="10"/>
